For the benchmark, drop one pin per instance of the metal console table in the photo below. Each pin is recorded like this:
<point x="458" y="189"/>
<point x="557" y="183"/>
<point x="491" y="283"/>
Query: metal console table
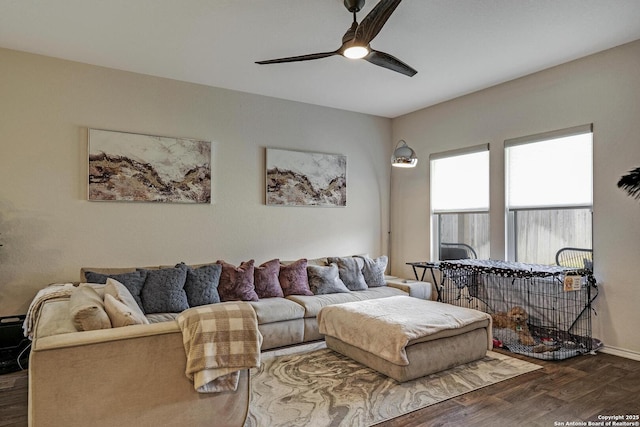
<point x="424" y="266"/>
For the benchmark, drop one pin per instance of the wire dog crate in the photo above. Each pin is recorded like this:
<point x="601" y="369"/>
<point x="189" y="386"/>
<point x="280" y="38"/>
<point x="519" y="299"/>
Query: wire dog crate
<point x="538" y="310"/>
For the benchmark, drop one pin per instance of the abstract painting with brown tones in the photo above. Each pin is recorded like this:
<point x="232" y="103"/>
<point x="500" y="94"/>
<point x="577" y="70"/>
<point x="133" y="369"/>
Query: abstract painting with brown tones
<point x="146" y="168"/>
<point x="296" y="178"/>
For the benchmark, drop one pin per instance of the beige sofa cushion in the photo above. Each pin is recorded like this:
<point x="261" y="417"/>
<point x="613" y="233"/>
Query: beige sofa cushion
<point x="310" y="261"/>
<point x="112" y="271"/>
<point x="54" y="319"/>
<point x="87" y="310"/>
<point x="312" y="305"/>
<point x="161" y="317"/>
<point x="121" y="314"/>
<point x="270" y="310"/>
<point x="118" y="291"/>
<point x="414" y="288"/>
<point x="379" y="292"/>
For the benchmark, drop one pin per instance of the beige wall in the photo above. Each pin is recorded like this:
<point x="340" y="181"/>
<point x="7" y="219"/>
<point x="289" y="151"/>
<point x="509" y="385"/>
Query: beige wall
<point x="49" y="229"/>
<point x="603" y="89"/>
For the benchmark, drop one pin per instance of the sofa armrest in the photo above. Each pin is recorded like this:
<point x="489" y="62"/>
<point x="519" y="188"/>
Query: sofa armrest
<point x="133" y="375"/>
<point x="414" y="288"/>
<point x="78" y="339"/>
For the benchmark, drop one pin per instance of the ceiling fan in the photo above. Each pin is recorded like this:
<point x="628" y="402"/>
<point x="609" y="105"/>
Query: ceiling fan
<point x="355" y="42"/>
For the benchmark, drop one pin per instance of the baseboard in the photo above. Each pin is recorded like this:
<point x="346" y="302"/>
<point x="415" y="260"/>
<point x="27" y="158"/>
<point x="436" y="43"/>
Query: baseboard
<point x="627" y="354"/>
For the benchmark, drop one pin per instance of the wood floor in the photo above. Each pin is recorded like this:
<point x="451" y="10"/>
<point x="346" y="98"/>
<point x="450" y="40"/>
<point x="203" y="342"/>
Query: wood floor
<point x="569" y="391"/>
<point x="572" y="390"/>
<point x="14" y="389"/>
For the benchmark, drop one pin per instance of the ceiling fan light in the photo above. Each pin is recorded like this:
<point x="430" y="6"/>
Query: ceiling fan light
<point x="403" y="156"/>
<point x="356" y="52"/>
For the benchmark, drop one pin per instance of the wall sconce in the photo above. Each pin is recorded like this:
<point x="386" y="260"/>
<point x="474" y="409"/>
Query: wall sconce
<point x="403" y="156"/>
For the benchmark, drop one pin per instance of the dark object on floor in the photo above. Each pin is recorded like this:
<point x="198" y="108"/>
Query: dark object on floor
<point x="14" y="346"/>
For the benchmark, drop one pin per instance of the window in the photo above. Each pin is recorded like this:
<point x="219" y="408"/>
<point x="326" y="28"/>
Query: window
<point x="460" y="203"/>
<point x="549" y="181"/>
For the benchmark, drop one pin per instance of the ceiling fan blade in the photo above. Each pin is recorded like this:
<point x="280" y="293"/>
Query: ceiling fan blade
<point x="351" y="33"/>
<point x="299" y="58"/>
<point x="390" y="62"/>
<point x="371" y="25"/>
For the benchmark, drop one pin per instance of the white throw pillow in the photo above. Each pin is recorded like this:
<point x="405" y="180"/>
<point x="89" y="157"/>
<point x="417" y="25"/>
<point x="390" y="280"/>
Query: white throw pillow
<point x="122" y="294"/>
<point x="121" y="314"/>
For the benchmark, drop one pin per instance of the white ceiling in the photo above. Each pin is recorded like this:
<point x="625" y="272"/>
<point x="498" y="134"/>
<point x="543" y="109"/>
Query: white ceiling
<point x="457" y="46"/>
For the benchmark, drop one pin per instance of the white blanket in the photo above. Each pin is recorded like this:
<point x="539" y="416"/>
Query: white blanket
<point x="385" y="326"/>
<point x="57" y="290"/>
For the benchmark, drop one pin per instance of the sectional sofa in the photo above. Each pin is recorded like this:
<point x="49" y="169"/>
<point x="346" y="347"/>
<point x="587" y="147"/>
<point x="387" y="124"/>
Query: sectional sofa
<point x="134" y="375"/>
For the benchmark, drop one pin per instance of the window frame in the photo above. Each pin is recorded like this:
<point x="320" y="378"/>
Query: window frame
<point x="435" y="214"/>
<point x="511" y="213"/>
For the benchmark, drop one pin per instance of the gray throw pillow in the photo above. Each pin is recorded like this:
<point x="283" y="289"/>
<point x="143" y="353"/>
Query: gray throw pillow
<point x="163" y="291"/>
<point x="350" y="272"/>
<point x="325" y="280"/>
<point x="373" y="270"/>
<point x="133" y="281"/>
<point x="201" y="285"/>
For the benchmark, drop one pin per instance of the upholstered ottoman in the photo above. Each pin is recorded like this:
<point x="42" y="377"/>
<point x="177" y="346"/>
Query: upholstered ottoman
<point x="405" y="337"/>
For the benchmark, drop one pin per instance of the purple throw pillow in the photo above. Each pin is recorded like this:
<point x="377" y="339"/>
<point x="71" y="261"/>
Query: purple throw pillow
<point x="265" y="279"/>
<point x="236" y="283"/>
<point x="293" y="278"/>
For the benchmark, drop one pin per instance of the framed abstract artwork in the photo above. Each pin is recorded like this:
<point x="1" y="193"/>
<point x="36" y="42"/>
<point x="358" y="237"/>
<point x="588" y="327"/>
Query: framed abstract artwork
<point x="146" y="168"/>
<point x="297" y="178"/>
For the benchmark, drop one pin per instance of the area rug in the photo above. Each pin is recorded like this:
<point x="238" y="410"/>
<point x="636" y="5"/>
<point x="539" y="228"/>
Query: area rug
<point x="315" y="386"/>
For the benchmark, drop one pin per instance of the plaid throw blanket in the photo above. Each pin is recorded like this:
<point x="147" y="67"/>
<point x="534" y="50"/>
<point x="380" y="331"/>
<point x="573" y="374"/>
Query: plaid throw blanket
<point x="219" y="341"/>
